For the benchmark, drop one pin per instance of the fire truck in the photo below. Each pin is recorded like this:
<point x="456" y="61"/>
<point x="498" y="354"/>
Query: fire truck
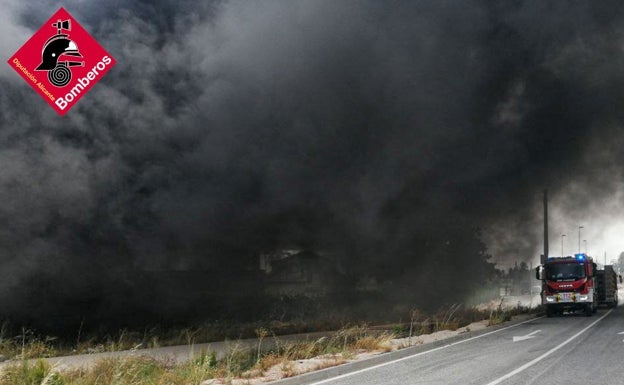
<point x="569" y="284"/>
<point x="606" y="282"/>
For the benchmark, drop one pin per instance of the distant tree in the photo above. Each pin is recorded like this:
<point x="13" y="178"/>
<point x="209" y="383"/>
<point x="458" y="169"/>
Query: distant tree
<point x="518" y="278"/>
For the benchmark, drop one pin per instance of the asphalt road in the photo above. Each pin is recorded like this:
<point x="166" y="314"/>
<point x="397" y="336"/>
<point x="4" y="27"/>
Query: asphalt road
<point x="572" y="349"/>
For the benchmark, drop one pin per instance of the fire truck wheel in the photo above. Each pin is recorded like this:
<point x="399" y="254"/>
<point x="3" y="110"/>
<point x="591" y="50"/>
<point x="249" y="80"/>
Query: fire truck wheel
<point x="550" y="312"/>
<point x="589" y="310"/>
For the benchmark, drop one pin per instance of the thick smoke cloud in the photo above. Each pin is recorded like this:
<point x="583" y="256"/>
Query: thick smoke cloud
<point x="380" y="132"/>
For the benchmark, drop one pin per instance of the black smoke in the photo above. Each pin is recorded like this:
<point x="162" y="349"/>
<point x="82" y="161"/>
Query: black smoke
<point x="388" y="135"/>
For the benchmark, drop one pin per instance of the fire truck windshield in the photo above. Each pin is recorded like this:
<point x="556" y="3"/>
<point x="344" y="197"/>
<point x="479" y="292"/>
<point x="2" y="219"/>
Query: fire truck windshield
<point x="565" y="271"/>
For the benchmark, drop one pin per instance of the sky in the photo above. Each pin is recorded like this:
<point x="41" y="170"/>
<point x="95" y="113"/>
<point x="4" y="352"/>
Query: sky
<point x="229" y="128"/>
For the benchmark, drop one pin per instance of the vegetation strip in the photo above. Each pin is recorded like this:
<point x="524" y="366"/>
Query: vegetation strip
<point x="240" y="364"/>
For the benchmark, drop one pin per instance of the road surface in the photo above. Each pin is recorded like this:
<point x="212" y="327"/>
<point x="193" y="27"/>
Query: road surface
<point x="572" y="349"/>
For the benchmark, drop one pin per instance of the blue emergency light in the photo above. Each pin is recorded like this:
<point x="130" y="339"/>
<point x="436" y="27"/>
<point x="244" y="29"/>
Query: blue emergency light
<point x="580" y="257"/>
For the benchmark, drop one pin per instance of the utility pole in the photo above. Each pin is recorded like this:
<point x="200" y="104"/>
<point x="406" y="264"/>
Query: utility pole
<point x="562" y="235"/>
<point x="545" y="255"/>
<point x="531" y="280"/>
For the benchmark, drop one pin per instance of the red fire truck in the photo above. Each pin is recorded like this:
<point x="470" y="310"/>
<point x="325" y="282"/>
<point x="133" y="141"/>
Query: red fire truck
<point x="568" y="284"/>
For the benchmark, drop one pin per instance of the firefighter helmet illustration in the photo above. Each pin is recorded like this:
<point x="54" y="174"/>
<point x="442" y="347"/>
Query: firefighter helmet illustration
<point x="57" y="54"/>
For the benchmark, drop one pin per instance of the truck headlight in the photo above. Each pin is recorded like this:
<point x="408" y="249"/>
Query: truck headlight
<point x="550" y="299"/>
<point x="584" y="297"/>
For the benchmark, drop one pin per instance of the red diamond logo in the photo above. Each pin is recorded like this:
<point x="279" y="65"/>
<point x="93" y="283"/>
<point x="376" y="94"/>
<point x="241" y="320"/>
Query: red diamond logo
<point x="61" y="61"/>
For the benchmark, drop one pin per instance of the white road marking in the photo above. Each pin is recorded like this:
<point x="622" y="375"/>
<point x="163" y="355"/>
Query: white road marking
<point x="527" y="337"/>
<point x="551" y="351"/>
<point x="420" y="354"/>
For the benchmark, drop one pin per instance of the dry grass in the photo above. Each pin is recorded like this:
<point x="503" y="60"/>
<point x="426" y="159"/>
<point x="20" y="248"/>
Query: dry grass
<point x="289" y="359"/>
<point x="238" y="363"/>
<point x="137" y="370"/>
<point x="26" y="345"/>
<point x="453" y="318"/>
<point x="501" y="314"/>
<point x="369" y="343"/>
<point x="329" y="364"/>
<point x="17" y="343"/>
